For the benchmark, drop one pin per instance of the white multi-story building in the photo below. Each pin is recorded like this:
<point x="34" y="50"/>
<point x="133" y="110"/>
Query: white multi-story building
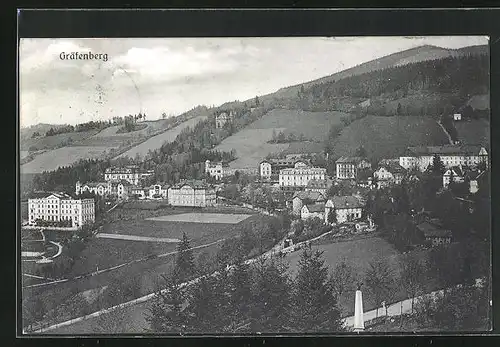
<point x="348" y="167"/>
<point x="456" y="173"/>
<point x="346" y="208"/>
<point x="217" y="169"/>
<point x="222" y="118"/>
<point x="132" y="174"/>
<point x="60" y="207"/>
<point x="193" y="193"/>
<point x="451" y="155"/>
<point x="300" y="175"/>
<point x="270" y="169"/>
<point x="118" y="189"/>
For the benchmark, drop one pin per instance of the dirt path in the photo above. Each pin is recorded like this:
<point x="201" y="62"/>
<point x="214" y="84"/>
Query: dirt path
<point x="136" y="238"/>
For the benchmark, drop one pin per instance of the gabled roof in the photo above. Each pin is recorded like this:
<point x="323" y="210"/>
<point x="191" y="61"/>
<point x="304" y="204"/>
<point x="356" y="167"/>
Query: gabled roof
<point x="316" y="208"/>
<point x="431" y="230"/>
<point x="457" y="171"/>
<point x="43" y="195"/>
<point x="353" y="160"/>
<point x="314" y="196"/>
<point x="343" y="202"/>
<point x="195" y="184"/>
<point x="391" y="165"/>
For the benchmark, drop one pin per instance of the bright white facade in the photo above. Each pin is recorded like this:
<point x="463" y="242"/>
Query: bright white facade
<point x="57" y="207"/>
<point x="455" y="172"/>
<point x="348" y="167"/>
<point x="265" y="170"/>
<point x="451" y="155"/>
<point x="105" y="189"/>
<point x="217" y="169"/>
<point x="313" y="211"/>
<point x="132" y="174"/>
<point x="191" y="193"/>
<point x="300" y="175"/>
<point x="157" y="191"/>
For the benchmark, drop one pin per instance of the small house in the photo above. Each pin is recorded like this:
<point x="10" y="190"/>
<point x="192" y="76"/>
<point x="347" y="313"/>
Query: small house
<point x="457" y="116"/>
<point x="455" y="173"/>
<point x="302" y="198"/>
<point x="435" y="234"/>
<point x="312" y="211"/>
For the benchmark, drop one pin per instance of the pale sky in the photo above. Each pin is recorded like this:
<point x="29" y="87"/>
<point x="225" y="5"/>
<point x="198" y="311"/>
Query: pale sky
<point x="173" y="75"/>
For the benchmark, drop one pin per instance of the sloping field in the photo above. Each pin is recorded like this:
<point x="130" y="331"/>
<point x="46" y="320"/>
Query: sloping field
<point x="64" y="156"/>
<point x="251" y="146"/>
<point x="157" y="141"/>
<point x="388" y="137"/>
<point x="479" y="102"/>
<point x="52" y="142"/>
<point x="314" y="125"/>
<point x="475" y="131"/>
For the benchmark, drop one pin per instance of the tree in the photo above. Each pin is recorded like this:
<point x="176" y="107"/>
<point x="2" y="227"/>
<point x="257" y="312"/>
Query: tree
<point x="166" y="313"/>
<point x="184" y="263"/>
<point x="379" y="279"/>
<point x="332" y="217"/>
<point x="412" y="278"/>
<point x="257" y="102"/>
<point x="342" y="279"/>
<point x="399" y="111"/>
<point x="297" y="227"/>
<point x="360" y="152"/>
<point x="271" y="289"/>
<point x="437" y="165"/>
<point x="241" y="291"/>
<point x="315" y="306"/>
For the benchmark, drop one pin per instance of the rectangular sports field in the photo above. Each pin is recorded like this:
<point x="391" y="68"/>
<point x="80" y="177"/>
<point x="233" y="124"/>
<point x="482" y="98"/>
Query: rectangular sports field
<point x="221" y="218"/>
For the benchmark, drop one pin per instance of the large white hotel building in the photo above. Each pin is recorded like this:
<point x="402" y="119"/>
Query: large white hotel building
<point x="451" y="155"/>
<point x="57" y="207"/>
<point x="300" y="175"/>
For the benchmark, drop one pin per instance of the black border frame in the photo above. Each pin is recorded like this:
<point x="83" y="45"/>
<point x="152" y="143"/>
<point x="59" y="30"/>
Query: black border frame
<point x="277" y="22"/>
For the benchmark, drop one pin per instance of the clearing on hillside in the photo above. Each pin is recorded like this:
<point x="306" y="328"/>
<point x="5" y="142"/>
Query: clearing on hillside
<point x="388" y="137"/>
<point x="223" y="218"/>
<point x="52" y="142"/>
<point x="251" y="147"/>
<point x="314" y="125"/>
<point x="157" y="141"/>
<point x="65" y="156"/>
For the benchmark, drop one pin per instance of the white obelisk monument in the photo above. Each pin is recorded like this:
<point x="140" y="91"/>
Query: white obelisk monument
<point x="359" y="322"/>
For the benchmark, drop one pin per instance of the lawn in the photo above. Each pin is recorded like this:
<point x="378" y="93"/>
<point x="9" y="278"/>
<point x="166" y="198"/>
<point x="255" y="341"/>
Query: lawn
<point x="314" y="125"/>
<point x="474" y="131"/>
<point x="64" y="156"/>
<point x="52" y="142"/>
<point x="157" y="141"/>
<point x="388" y="137"/>
<point x="251" y="147"/>
<point x="220" y="218"/>
<point x="358" y="253"/>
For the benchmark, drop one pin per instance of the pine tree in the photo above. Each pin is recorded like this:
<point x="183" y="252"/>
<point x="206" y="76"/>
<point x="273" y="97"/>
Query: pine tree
<point x="166" y="314"/>
<point x="437" y="165"/>
<point x="270" y="297"/>
<point x="241" y="291"/>
<point x="184" y="263"/>
<point x="315" y="307"/>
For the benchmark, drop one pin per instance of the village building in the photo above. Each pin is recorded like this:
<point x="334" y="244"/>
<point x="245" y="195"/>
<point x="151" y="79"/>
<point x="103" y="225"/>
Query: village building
<point x="302" y="198"/>
<point x="435" y="234"/>
<point x="270" y="169"/>
<point x="222" y="118"/>
<point x="300" y="175"/>
<point x="320" y="186"/>
<point x="312" y="211"/>
<point x="132" y="174"/>
<point x="157" y="191"/>
<point x="455" y="173"/>
<point x="61" y="209"/>
<point x="348" y="167"/>
<point x="192" y="193"/>
<point x="346" y="209"/>
<point x="110" y="189"/>
<point x="451" y="155"/>
<point x="218" y="170"/>
<point x="457" y="116"/>
<point x="388" y="172"/>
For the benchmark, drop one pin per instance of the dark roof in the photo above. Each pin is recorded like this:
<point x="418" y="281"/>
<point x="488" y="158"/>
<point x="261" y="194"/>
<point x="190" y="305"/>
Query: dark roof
<point x="195" y="184"/>
<point x="354" y="160"/>
<point x="315" y="196"/>
<point x="348" y="201"/>
<point x="464" y="149"/>
<point x="391" y="165"/>
<point x="60" y="195"/>
<point x="431" y="230"/>
<point x="316" y="207"/>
